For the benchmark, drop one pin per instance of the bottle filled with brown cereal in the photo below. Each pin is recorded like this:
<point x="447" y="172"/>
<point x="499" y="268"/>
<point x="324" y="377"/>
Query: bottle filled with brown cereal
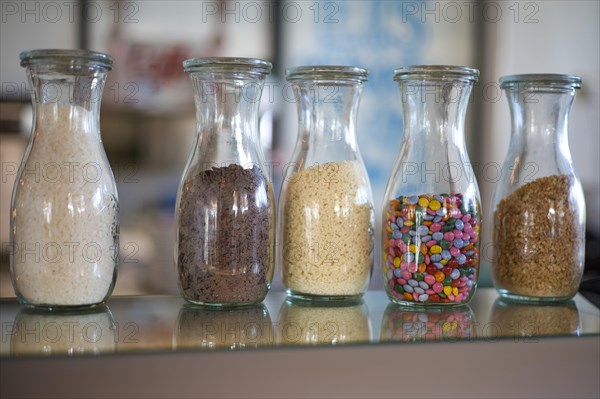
<point x="225" y="208"/>
<point x="431" y="208"/>
<point x="326" y="207"/>
<point x="538" y="207"/>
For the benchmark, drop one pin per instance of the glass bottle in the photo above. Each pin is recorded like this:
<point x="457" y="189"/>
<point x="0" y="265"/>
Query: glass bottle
<point x="326" y="207"/>
<point x="65" y="211"/>
<point x="538" y="205"/>
<point x="431" y="207"/>
<point x="225" y="211"/>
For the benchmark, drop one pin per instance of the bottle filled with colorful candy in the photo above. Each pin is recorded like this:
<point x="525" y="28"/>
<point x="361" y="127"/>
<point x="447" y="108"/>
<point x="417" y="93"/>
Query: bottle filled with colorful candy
<point x="431" y="208"/>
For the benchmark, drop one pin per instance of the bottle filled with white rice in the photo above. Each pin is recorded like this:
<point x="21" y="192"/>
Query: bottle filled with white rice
<point x="65" y="212"/>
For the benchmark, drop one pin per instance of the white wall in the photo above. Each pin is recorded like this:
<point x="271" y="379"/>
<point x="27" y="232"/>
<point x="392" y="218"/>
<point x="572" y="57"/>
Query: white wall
<point x="28" y="25"/>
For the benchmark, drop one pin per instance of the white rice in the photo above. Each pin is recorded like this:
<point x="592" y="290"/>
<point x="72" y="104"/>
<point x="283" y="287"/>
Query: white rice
<point x="65" y="214"/>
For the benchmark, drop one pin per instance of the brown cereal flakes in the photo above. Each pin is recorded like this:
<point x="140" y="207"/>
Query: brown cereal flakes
<point x="538" y="240"/>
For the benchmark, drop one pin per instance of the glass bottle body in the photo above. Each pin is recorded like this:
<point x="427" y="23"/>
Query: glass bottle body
<point x="431" y="214"/>
<point x="326" y="208"/>
<point x="225" y="211"/>
<point x="65" y="213"/>
<point x="538" y="207"/>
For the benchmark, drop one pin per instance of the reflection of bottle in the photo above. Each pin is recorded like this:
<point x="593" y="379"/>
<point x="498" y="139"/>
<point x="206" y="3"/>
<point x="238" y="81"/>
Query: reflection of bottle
<point x="198" y="327"/>
<point x="225" y="212"/>
<point x="302" y="322"/>
<point x="432" y="324"/>
<point x="511" y="319"/>
<point x="39" y="331"/>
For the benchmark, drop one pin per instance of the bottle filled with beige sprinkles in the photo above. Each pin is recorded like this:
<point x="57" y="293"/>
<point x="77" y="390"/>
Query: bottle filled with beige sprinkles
<point x="65" y="211"/>
<point x="326" y="207"/>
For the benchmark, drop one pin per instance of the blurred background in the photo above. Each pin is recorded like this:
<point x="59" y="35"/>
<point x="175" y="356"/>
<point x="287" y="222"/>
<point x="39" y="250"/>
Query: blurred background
<point x="147" y="115"/>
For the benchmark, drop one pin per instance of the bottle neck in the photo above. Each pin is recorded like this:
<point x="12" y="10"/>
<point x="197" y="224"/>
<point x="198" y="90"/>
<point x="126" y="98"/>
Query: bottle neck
<point x="327" y="113"/>
<point x="433" y="156"/>
<point x="540" y="121"/>
<point x="227" y="115"/>
<point x="56" y="93"/>
<point x="434" y="114"/>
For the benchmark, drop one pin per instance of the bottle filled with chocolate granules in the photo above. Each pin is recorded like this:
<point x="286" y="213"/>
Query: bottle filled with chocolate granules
<point x="225" y="210"/>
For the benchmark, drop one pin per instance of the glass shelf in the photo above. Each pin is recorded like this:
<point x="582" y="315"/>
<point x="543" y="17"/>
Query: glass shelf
<point x="138" y="324"/>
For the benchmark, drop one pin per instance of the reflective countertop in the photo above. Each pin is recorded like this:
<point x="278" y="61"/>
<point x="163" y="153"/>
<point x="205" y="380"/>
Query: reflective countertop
<point x="157" y="324"/>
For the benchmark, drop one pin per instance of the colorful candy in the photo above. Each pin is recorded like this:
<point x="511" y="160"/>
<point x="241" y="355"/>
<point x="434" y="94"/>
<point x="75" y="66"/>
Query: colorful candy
<point x="433" y="241"/>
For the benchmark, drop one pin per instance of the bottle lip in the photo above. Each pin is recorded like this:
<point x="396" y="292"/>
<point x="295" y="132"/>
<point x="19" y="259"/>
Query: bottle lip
<point x="327" y="73"/>
<point x="541" y="80"/>
<point x="227" y="64"/>
<point x="436" y="72"/>
<point x="66" y="57"/>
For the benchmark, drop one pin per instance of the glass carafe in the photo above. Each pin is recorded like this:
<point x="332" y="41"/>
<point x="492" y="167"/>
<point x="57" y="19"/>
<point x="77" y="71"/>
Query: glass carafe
<point x="325" y="207"/>
<point x="431" y="207"/>
<point x="65" y="212"/>
<point x="538" y="207"/>
<point x="225" y="211"/>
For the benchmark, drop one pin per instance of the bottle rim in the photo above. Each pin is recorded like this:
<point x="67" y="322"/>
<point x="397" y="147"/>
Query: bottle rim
<point x="327" y="73"/>
<point x="436" y="72"/>
<point x="541" y="80"/>
<point x="227" y="64"/>
<point x="66" y="57"/>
